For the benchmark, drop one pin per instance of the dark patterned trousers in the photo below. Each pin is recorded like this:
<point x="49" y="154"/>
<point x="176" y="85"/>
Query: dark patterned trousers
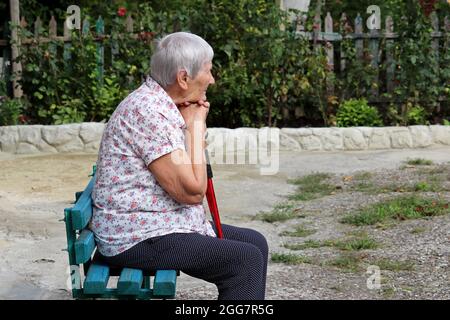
<point x="237" y="264"/>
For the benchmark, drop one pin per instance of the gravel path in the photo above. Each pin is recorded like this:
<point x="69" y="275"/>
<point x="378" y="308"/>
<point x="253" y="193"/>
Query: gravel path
<point x="34" y="190"/>
<point x="417" y="251"/>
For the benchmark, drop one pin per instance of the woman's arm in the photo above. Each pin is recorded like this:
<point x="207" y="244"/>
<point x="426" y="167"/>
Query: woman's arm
<point x="182" y="174"/>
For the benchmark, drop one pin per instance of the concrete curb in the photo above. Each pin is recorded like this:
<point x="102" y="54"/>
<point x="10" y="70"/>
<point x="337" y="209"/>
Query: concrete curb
<point x="85" y="137"/>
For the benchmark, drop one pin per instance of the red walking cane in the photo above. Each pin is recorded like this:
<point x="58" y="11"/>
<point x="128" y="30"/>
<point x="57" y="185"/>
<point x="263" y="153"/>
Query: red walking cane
<point x="211" y="197"/>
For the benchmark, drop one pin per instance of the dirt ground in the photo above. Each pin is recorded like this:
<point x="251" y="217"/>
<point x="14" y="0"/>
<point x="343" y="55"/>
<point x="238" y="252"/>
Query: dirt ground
<point x="34" y="190"/>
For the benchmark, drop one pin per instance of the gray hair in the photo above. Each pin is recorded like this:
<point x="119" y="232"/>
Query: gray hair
<point x="178" y="51"/>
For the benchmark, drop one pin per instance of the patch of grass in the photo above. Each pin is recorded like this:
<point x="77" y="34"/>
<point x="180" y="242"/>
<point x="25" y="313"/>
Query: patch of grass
<point x="337" y="288"/>
<point x="313" y="178"/>
<point x="356" y="234"/>
<point x="305" y="245"/>
<point x="419" y="162"/>
<point x="436" y="179"/>
<point x="281" y="212"/>
<point x="347" y="262"/>
<point x="393" y="187"/>
<point x="432" y="185"/>
<point x="350" y="244"/>
<point x="300" y="231"/>
<point x="388" y="292"/>
<point x="402" y="208"/>
<point x="421" y="186"/>
<point x="357" y="244"/>
<point x="311" y="187"/>
<point x="432" y="171"/>
<point x="289" y="258"/>
<point x="431" y="180"/>
<point x="391" y="265"/>
<point x="365" y="186"/>
<point x="385" y="225"/>
<point x="418" y="230"/>
<point x="362" y="176"/>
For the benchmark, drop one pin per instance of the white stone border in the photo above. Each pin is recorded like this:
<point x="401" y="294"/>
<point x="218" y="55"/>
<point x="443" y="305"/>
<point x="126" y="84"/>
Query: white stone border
<point x="85" y="137"/>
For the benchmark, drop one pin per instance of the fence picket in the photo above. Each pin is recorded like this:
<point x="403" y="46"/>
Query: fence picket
<point x="446" y="45"/>
<point x="317" y="29"/>
<point x="390" y="62"/>
<point x="100" y="31"/>
<point x="374" y="49"/>
<point x="67" y="54"/>
<point x="358" y="36"/>
<point x="329" y="48"/>
<point x="6" y="63"/>
<point x="301" y="22"/>
<point x="129" y="24"/>
<point x="343" y="30"/>
<point x="37" y="27"/>
<point x="436" y="34"/>
<point x="86" y="27"/>
<point x="52" y="27"/>
<point x="23" y="23"/>
<point x="52" y="32"/>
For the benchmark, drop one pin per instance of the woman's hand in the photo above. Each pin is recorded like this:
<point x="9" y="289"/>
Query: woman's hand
<point x="193" y="112"/>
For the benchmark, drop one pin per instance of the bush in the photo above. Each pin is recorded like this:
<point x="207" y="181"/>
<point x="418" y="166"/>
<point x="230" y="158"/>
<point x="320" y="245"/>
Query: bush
<point x="10" y="111"/>
<point x="253" y="86"/>
<point x="410" y="115"/>
<point x="265" y="74"/>
<point x="417" y="115"/>
<point x="356" y="112"/>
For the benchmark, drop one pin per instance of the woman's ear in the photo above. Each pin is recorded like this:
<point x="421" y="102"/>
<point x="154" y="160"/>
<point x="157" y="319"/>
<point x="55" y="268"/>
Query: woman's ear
<point x="182" y="79"/>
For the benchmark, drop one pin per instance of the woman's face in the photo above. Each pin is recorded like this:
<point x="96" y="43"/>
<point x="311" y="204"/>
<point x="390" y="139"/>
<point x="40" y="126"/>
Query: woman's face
<point x="197" y="87"/>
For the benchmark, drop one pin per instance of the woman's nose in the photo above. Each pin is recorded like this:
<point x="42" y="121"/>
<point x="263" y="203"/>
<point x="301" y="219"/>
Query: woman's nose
<point x="212" y="81"/>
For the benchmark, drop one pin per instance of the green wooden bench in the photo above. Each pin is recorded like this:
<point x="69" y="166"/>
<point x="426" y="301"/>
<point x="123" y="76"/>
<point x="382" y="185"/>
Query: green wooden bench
<point x="90" y="275"/>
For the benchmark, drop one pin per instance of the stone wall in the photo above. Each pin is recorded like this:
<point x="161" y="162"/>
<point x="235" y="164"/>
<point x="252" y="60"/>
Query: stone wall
<point x="85" y="137"/>
<point x="78" y="137"/>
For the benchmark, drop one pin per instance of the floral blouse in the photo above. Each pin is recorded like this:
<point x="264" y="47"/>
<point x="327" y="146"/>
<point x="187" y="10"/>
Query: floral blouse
<point x="129" y="204"/>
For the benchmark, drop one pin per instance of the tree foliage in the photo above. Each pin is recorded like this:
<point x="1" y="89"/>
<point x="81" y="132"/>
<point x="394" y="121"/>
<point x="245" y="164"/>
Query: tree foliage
<point x="266" y="74"/>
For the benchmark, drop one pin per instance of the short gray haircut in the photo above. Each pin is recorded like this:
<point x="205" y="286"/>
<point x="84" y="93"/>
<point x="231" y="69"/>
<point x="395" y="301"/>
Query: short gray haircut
<point x="178" y="51"/>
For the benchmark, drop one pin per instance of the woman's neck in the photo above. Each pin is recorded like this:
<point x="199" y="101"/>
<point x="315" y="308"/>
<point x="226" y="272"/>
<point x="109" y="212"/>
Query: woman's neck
<point x="176" y="94"/>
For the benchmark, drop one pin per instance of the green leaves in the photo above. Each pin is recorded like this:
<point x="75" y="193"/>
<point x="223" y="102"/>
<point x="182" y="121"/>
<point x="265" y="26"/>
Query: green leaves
<point x="262" y="67"/>
<point x="354" y="113"/>
<point x="10" y="111"/>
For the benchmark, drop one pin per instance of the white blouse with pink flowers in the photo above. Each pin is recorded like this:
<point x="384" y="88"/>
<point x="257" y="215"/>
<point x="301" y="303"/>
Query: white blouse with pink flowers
<point x="129" y="204"/>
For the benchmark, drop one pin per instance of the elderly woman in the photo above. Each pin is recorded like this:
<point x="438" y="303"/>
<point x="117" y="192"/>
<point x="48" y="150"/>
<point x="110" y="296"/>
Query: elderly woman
<point x="151" y="180"/>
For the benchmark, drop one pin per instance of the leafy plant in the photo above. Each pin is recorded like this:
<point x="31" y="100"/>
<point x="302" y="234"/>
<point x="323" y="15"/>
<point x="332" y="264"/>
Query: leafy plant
<point x="357" y="112"/>
<point x="418" y="79"/>
<point x="105" y="98"/>
<point x="281" y="212"/>
<point x="267" y="73"/>
<point x="403" y="208"/>
<point x="289" y="258"/>
<point x="10" y="111"/>
<point x="70" y="111"/>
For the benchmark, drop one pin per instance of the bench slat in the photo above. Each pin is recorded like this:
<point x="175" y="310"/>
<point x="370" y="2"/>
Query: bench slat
<point x="82" y="211"/>
<point x="165" y="283"/>
<point x="96" y="279"/>
<point x="130" y="281"/>
<point x="84" y="246"/>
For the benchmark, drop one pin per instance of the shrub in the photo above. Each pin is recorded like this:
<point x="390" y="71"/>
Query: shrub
<point x="356" y="112"/>
<point x="265" y="74"/>
<point x="417" y="115"/>
<point x="10" y="111"/>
